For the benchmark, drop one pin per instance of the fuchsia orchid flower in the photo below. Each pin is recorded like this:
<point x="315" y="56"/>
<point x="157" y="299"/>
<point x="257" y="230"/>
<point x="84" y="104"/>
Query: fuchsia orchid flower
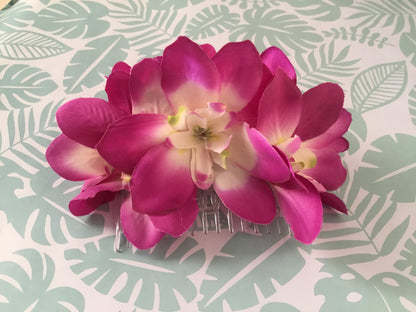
<point x="194" y="138"/>
<point x="73" y="155"/>
<point x="194" y="119"/>
<point x="306" y="129"/>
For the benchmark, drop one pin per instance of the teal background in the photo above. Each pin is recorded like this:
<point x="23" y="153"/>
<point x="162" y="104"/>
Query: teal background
<point x="55" y="51"/>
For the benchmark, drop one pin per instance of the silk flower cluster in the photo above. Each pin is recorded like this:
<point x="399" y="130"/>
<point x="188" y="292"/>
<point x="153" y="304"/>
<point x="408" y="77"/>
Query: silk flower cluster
<point x="194" y="118"/>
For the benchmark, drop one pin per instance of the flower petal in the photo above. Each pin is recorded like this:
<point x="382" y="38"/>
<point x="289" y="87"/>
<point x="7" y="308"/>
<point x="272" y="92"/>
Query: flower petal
<point x="219" y="159"/>
<point x="201" y="167"/>
<point x="322" y="106"/>
<point x="117" y="87"/>
<point x="280" y="109"/>
<point x="276" y="60"/>
<point x="217" y="108"/>
<point x="248" y="197"/>
<point x="162" y="180"/>
<point x="251" y="151"/>
<point x="305" y="157"/>
<point x="249" y="113"/>
<point x="301" y="207"/>
<point x="189" y="77"/>
<point x="219" y="122"/>
<point x="94" y="194"/>
<point x="332" y="138"/>
<point x="208" y="49"/>
<point x="82" y="205"/>
<point x="146" y="90"/>
<point x="183" y="140"/>
<point x="334" y="202"/>
<point x="128" y="139"/>
<point x="219" y="142"/>
<point x="194" y="120"/>
<point x="329" y="170"/>
<point x="85" y="120"/>
<point x="241" y="72"/>
<point x="74" y="161"/>
<point x="179" y="220"/>
<point x="137" y="227"/>
<point x="339" y="145"/>
<point x="290" y="146"/>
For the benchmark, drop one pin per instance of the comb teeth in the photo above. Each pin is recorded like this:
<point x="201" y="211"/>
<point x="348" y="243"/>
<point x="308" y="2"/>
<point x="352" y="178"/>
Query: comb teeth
<point x="213" y="216"/>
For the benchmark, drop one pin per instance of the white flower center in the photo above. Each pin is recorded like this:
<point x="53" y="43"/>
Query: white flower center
<point x="204" y="132"/>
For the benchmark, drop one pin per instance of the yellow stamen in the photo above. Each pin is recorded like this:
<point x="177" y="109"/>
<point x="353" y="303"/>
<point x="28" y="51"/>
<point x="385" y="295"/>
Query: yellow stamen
<point x="224" y="155"/>
<point x="173" y="120"/>
<point x="307" y="157"/>
<point x="125" y="177"/>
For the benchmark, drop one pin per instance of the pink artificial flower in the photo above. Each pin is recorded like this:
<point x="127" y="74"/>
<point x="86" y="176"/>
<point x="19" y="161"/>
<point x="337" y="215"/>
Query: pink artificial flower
<point x="193" y="139"/>
<point x="193" y="119"/>
<point x="74" y="157"/>
<point x="306" y="129"/>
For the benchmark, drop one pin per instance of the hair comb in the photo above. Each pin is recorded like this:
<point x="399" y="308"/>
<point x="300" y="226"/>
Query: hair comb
<point x="205" y="141"/>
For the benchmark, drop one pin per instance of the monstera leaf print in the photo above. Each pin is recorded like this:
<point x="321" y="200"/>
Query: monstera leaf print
<point x="211" y="21"/>
<point x="89" y="66"/>
<point x="237" y="271"/>
<point x="19" y="15"/>
<point x="71" y="19"/>
<point x="42" y="199"/>
<point x="346" y="288"/>
<point x="390" y="167"/>
<point x="278" y="306"/>
<point x="175" y="5"/>
<point x="274" y="27"/>
<point x="319" y="9"/>
<point x="378" y="86"/>
<point x="148" y="31"/>
<point x="248" y="4"/>
<point x="408" y="42"/>
<point x="26" y="285"/>
<point x="22" y="85"/>
<point x="155" y="279"/>
<point x="30" y="185"/>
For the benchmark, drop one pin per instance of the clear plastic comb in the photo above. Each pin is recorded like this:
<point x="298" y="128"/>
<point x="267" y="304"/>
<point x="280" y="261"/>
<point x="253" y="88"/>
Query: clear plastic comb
<point x="213" y="217"/>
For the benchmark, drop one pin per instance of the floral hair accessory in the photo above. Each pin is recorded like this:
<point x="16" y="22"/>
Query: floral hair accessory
<point x="232" y="122"/>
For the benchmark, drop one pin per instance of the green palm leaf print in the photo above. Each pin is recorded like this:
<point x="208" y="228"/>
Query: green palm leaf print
<point x="324" y="64"/>
<point x="147" y="31"/>
<point x="27" y="45"/>
<point x="211" y="21"/>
